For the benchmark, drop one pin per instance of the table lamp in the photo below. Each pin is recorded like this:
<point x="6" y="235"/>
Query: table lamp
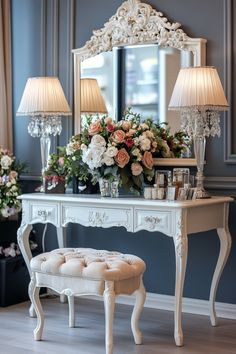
<point x="44" y="101"/>
<point x="199" y="96"/>
<point x="92" y="100"/>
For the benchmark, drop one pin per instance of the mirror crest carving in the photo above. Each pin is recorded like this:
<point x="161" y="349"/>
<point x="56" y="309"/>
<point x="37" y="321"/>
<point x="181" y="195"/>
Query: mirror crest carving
<point x="138" y="23"/>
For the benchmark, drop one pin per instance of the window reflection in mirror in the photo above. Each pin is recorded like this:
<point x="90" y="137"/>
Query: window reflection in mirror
<point x="141" y="80"/>
<point x="141" y="77"/>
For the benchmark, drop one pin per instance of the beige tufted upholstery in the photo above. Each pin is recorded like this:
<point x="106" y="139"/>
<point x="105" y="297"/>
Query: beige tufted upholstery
<point x="89" y="263"/>
<point x="79" y="271"/>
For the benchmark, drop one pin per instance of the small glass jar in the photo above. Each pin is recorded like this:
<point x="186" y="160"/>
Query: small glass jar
<point x="114" y="188"/>
<point x="104" y="187"/>
<point x="147" y="192"/>
<point x="160" y="193"/>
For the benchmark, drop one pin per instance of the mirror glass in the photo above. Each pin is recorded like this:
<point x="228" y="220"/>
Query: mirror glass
<point x="141" y="77"/>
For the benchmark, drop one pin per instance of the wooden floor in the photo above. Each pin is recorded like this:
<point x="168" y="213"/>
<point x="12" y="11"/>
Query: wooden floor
<point x="16" y="331"/>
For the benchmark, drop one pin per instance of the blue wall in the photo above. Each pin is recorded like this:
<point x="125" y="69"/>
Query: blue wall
<point x="43" y="33"/>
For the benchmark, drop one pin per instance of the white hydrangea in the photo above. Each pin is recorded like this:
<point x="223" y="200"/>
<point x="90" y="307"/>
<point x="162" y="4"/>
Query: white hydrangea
<point x="93" y="156"/>
<point x="6" y="162"/>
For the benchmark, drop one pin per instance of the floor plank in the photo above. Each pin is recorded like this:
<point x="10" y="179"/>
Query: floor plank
<point x="16" y="331"/>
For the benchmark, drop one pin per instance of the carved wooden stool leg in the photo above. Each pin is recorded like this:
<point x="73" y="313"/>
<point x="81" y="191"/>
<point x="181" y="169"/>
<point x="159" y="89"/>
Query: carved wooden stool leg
<point x="109" y="305"/>
<point x="140" y="299"/>
<point x="71" y="303"/>
<point x="34" y="297"/>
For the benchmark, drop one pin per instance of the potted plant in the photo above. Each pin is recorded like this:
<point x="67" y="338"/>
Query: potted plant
<point x="56" y="173"/>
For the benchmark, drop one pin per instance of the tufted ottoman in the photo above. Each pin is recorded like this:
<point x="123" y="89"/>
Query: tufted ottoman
<point x="86" y="271"/>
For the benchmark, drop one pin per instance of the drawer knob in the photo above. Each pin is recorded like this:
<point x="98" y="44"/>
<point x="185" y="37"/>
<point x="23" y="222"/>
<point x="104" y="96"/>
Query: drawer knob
<point x="43" y="213"/>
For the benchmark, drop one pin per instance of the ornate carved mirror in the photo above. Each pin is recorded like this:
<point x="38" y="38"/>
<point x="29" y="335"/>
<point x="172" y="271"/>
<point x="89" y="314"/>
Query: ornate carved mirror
<point x="137" y="28"/>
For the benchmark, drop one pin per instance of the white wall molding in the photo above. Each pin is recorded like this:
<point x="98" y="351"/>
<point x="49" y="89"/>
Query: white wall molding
<point x="229" y="153"/>
<point x="166" y="302"/>
<point x="220" y="183"/>
<point x="43" y="39"/>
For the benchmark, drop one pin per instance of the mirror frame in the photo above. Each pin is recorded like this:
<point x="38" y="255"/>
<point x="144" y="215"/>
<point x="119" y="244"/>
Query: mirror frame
<point x="136" y="23"/>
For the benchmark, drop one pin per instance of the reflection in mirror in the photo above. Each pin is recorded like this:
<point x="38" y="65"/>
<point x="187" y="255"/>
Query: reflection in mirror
<point x="141" y="77"/>
<point x="100" y="67"/>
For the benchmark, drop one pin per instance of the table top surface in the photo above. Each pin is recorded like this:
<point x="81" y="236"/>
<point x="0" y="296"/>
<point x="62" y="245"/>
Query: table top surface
<point x="123" y="200"/>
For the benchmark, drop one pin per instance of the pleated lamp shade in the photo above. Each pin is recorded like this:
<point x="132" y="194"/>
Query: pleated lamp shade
<point x="198" y="87"/>
<point x="43" y="96"/>
<point x="92" y="100"/>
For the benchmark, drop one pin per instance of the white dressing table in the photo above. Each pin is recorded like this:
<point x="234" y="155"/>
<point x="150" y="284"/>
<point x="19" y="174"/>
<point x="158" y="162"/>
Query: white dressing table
<point x="174" y="219"/>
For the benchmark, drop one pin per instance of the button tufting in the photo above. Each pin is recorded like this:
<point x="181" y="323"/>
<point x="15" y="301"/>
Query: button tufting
<point x="102" y="265"/>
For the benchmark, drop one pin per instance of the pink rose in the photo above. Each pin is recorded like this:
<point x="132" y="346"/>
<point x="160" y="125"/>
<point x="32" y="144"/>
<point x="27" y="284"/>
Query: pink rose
<point x="13" y="174"/>
<point x="136" y="169"/>
<point x="108" y="120"/>
<point x="129" y="142"/>
<point x="61" y="161"/>
<point x="122" y="158"/>
<point x="110" y="127"/>
<point x="147" y="160"/>
<point x="118" y="136"/>
<point x="95" y="127"/>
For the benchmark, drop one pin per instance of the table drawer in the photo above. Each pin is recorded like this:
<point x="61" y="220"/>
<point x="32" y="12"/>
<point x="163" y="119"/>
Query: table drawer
<point x="43" y="212"/>
<point x="97" y="216"/>
<point x="153" y="220"/>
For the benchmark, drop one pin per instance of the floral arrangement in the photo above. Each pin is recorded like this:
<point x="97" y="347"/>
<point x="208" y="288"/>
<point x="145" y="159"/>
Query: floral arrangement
<point x="9" y="184"/>
<point x="13" y="249"/>
<point x="57" y="168"/>
<point x="124" y="149"/>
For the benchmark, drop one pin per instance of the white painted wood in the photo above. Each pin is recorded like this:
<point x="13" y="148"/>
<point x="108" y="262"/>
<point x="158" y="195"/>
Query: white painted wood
<point x="138" y="23"/>
<point x="184" y="217"/>
<point x="71" y="303"/>
<point x="181" y="252"/>
<point x="61" y="238"/>
<point x="140" y="295"/>
<point x="109" y="306"/>
<point x="34" y="297"/>
<point x="225" y="246"/>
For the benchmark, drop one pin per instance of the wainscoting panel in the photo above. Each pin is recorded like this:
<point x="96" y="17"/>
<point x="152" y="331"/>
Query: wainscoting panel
<point x="230" y="79"/>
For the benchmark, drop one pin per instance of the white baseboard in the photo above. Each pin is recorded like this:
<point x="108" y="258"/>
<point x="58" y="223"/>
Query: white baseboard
<point x="194" y="306"/>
